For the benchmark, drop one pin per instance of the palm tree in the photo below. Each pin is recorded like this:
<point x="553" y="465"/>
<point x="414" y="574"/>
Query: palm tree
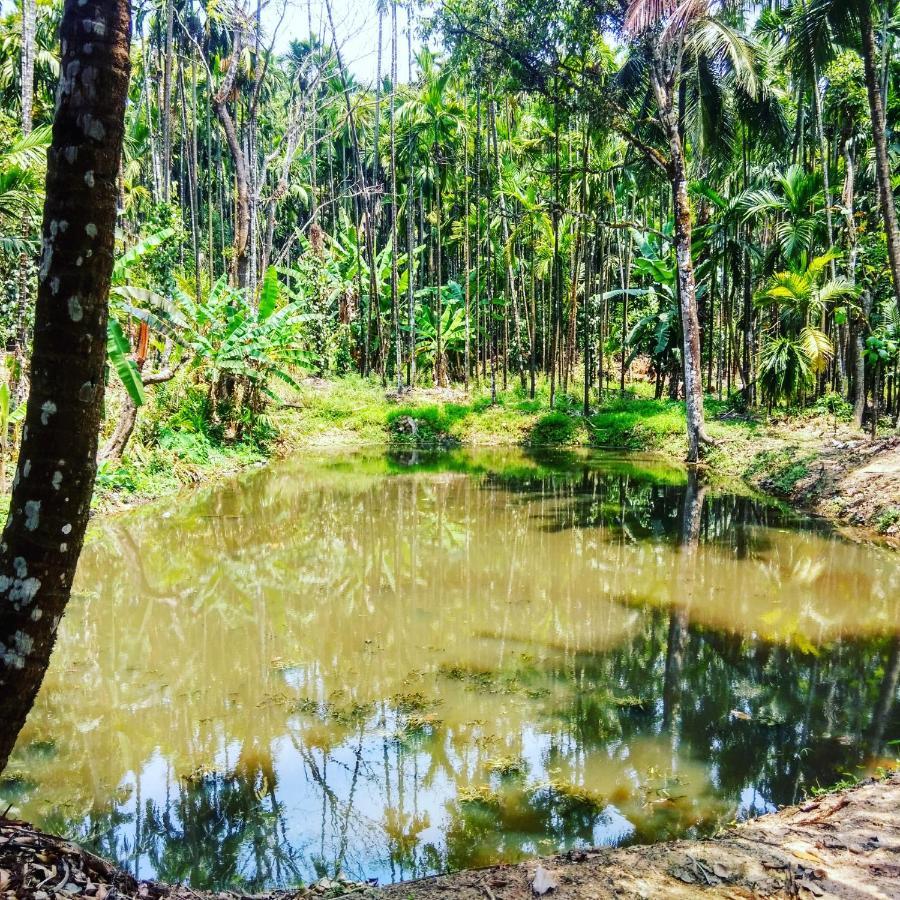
<point x="851" y="23"/>
<point x="435" y="118"/>
<point x="45" y="530"/>
<point x="795" y="200"/>
<point x="667" y="37"/>
<point x="21" y="186"/>
<point x="797" y="349"/>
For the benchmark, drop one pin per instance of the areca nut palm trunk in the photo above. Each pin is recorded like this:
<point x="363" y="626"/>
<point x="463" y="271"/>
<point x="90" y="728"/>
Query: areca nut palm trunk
<point x="54" y="480"/>
<point x="29" y="26"/>
<point x="241" y="262"/>
<point x="663" y="87"/>
<point x="879" y="139"/>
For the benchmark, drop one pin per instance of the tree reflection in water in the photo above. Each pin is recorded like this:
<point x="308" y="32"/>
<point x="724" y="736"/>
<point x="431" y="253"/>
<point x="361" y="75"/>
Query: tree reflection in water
<point x="390" y="666"/>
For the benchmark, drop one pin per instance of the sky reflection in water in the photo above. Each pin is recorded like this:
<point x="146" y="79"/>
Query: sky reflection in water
<point x="397" y="665"/>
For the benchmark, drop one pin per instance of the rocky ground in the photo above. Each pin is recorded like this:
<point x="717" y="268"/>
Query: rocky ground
<point x="845" y="844"/>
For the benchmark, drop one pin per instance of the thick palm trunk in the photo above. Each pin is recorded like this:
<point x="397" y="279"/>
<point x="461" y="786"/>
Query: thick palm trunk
<point x="882" y="166"/>
<point x="664" y="89"/>
<point x="55" y="478"/>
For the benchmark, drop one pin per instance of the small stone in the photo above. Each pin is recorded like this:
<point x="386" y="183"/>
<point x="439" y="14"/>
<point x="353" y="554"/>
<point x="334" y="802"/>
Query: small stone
<point x="544" y="881"/>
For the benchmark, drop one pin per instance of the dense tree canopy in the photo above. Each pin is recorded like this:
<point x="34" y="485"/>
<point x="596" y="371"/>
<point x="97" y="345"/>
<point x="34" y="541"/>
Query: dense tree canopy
<point x="563" y="190"/>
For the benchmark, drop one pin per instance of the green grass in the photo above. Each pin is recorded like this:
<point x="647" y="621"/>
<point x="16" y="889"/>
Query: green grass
<point x="148" y="472"/>
<point x="349" y="410"/>
<point x="637" y="424"/>
<point x="356" y="411"/>
<point x="172" y="450"/>
<point x="779" y="469"/>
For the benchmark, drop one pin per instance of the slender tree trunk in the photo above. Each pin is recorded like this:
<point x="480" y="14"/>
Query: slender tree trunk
<point x="504" y="232"/>
<point x="368" y="223"/>
<point x="395" y="247"/>
<point x="29" y="25"/>
<point x="859" y="379"/>
<point x="54" y="480"/>
<point x="848" y="200"/>
<point x="118" y="440"/>
<point x="556" y="279"/>
<point x="167" y="102"/>
<point x="240" y="263"/>
<point x="439" y="368"/>
<point x="882" y="164"/>
<point x="191" y="179"/>
<point x="467" y="260"/>
<point x="687" y="289"/>
<point x="410" y="230"/>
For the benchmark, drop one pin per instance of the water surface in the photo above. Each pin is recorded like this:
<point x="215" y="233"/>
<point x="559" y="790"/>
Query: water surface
<point x="396" y="665"/>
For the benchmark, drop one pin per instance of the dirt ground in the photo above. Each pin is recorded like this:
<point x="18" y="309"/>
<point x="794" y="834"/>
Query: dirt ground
<point x="841" y="474"/>
<point x="858" y="481"/>
<point x="845" y="844"/>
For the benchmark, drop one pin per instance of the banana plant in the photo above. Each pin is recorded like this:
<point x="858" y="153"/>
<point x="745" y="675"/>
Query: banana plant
<point x="118" y="348"/>
<point x="657" y="332"/>
<point x="453" y="323"/>
<point x="118" y="351"/>
<point x="8" y="417"/>
<point x="224" y="334"/>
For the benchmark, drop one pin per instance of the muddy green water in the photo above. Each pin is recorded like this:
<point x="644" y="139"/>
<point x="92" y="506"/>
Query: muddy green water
<point x="392" y="666"/>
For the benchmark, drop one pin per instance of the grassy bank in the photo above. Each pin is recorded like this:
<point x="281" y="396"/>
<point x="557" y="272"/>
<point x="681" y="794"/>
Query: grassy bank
<point x="816" y="461"/>
<point x="357" y="412"/>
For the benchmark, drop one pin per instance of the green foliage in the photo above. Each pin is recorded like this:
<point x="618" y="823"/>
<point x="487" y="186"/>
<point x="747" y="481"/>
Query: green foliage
<point x="424" y="426"/>
<point x="780" y="469"/>
<point x="785" y="370"/>
<point x="799" y="350"/>
<point x="638" y="424"/>
<point x="657" y="333"/>
<point x="117" y="350"/>
<point x="887" y="519"/>
<point x="833" y="404"/>
<point x="553" y="429"/>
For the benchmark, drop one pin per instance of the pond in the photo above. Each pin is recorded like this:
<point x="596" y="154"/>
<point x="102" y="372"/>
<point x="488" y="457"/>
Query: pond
<point x="394" y="665"/>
